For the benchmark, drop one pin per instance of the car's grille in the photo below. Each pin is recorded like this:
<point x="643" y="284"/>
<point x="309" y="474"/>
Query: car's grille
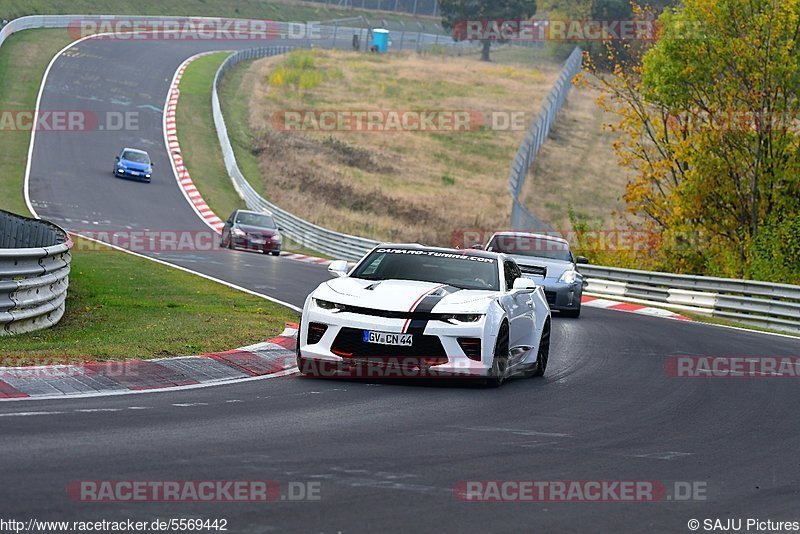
<point x="551" y="297"/>
<point x="533" y="269"/>
<point x="349" y="343"/>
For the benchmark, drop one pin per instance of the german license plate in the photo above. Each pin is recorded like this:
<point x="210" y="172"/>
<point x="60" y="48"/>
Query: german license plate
<point x="258" y="241"/>
<point x="387" y="338"/>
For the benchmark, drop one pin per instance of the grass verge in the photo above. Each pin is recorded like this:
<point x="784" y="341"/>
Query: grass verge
<point x="199" y="145"/>
<point x="118" y="306"/>
<point x="26" y="55"/>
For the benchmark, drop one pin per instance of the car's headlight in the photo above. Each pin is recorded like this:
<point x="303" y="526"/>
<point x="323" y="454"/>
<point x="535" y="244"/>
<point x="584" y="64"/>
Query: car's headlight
<point x="568" y="277"/>
<point x="276" y="237"/>
<point x="461" y="318"/>
<point x="328" y="305"/>
<point x="237" y="232"/>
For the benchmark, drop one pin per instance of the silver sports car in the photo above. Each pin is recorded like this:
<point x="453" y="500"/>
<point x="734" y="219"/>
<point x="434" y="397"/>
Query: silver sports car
<point x="548" y="261"/>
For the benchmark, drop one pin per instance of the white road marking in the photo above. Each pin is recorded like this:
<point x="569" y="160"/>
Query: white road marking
<point x="92" y="410"/>
<point x="25" y="414"/>
<point x="189" y="404"/>
<point x="668" y="455"/>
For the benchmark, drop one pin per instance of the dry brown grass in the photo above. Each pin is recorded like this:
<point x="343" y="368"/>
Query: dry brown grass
<point x="577" y="168"/>
<point x="407" y="186"/>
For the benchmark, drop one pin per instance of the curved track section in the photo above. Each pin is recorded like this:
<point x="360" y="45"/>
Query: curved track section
<point x="70" y="179"/>
<point x="387" y="455"/>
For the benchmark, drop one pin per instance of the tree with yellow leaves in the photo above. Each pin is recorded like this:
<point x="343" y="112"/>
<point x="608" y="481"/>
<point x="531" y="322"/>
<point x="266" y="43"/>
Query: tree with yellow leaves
<point x="708" y="116"/>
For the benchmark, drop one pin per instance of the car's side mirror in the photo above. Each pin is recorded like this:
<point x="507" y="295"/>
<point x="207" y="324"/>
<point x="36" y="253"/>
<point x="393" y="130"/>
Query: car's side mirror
<point x="117" y="158"/>
<point x="582" y="259"/>
<point x="477" y="246"/>
<point x="338" y="268"/>
<point x="523" y="284"/>
<point x="152" y="164"/>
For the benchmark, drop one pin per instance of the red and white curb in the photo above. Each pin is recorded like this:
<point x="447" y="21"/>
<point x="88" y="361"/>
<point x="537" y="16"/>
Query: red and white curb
<point x="185" y="182"/>
<point x="174" y="149"/>
<point x="595" y="302"/>
<point x="272" y="358"/>
<point x="306" y="259"/>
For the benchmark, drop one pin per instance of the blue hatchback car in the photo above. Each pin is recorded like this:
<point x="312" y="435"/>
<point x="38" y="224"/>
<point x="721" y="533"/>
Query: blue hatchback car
<point x="133" y="164"/>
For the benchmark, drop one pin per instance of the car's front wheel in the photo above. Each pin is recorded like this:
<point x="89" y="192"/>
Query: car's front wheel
<point x="500" y="359"/>
<point x="544" y="352"/>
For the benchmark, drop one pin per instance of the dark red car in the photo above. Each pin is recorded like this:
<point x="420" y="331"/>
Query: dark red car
<point x="251" y="230"/>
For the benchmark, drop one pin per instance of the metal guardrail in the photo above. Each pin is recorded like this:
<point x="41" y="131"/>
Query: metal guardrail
<point x="521" y="218"/>
<point x="34" y="273"/>
<point x="299" y="230"/>
<point x="764" y="304"/>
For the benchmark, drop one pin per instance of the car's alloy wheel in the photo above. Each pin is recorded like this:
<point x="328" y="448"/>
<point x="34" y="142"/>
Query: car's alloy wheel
<point x="544" y="352"/>
<point x="500" y="358"/>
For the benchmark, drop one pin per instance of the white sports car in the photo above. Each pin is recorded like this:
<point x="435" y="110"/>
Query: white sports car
<point x="422" y="311"/>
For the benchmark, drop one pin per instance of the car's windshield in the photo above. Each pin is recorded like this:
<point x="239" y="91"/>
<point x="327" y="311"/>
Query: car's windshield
<point x="256" y="219"/>
<point x="136" y="157"/>
<point x="536" y="247"/>
<point x="458" y="270"/>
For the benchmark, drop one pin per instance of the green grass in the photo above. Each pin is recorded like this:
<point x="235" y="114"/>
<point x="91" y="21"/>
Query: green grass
<point x="198" y="139"/>
<point x="120" y="306"/>
<point x="234" y="101"/>
<point x="255" y="9"/>
<point x="26" y="55"/>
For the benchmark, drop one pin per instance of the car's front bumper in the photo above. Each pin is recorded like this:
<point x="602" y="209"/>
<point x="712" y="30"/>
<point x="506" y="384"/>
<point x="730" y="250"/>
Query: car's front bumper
<point x="563" y="297"/>
<point x="132" y="175"/>
<point x="247" y="243"/>
<point x="348" y="356"/>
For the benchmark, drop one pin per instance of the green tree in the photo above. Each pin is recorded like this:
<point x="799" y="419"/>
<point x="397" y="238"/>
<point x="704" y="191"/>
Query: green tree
<point x="456" y="12"/>
<point x="708" y="116"/>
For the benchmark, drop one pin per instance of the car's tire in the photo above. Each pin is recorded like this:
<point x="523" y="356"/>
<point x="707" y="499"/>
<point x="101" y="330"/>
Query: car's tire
<point x="276" y="252"/>
<point x="543" y="355"/>
<point x="500" y="358"/>
<point x="573" y="314"/>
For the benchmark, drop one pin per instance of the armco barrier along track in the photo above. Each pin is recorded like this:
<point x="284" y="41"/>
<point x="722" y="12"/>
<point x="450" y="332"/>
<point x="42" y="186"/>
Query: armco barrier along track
<point x="34" y="273"/>
<point x="764" y="304"/>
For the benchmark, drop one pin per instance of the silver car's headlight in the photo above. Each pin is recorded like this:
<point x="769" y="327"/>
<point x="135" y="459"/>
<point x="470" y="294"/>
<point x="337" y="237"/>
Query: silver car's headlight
<point x="568" y="277"/>
<point x="455" y="318"/>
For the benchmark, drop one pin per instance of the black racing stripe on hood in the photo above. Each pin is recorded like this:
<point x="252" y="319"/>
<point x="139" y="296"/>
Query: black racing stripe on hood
<point x="426" y="305"/>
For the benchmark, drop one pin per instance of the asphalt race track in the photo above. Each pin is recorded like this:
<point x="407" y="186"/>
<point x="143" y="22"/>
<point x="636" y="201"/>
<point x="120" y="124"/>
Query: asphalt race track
<point x="70" y="178"/>
<point x="386" y="455"/>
